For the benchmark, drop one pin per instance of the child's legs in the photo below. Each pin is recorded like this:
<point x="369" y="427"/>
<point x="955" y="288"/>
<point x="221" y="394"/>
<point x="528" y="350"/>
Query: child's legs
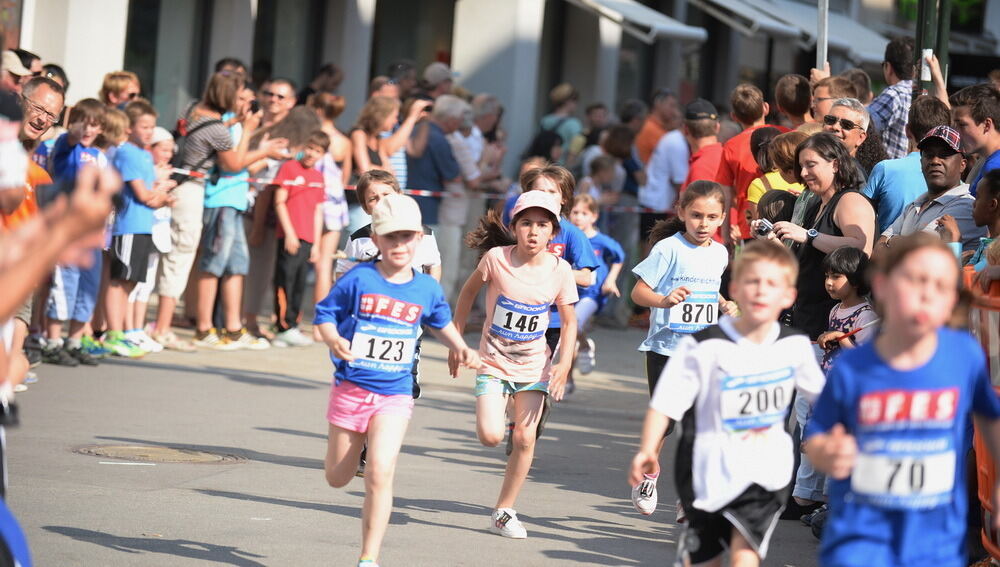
<point x="259" y="277"/>
<point x="324" y="267"/>
<point x="741" y="554"/>
<point x="385" y="437"/>
<point x="62" y="299"/>
<point x="655" y="363"/>
<point x="527" y="413"/>
<point x="491" y="406"/>
<point x="298" y="291"/>
<point x="285" y="267"/>
<point x="86" y="297"/>
<point x="99" y="320"/>
<point x="585" y="309"/>
<point x="116" y="303"/>
<point x="139" y="298"/>
<point x="343" y="447"/>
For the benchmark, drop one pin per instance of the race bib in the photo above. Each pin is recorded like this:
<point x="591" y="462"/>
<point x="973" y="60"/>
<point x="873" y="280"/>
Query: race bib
<point x="905" y="479"/>
<point x="385" y="349"/>
<point x="518" y="321"/>
<point x="698" y="311"/>
<point x="756" y="401"/>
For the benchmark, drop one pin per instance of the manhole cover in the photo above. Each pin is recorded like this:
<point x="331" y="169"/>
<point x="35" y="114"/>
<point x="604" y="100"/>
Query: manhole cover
<point x="149" y="454"/>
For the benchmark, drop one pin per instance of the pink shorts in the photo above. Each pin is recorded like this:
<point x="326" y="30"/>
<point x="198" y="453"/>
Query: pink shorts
<point x="352" y="407"/>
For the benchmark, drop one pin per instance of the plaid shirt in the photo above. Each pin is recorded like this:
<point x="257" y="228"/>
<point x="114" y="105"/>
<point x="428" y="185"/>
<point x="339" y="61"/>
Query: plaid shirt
<point x="889" y="112"/>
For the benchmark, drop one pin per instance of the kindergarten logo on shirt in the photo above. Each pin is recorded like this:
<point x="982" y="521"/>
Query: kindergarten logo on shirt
<point x="377" y="306"/>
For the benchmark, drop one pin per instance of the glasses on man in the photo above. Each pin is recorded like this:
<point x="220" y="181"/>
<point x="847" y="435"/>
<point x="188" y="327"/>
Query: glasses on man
<point x="38" y="110"/>
<point x="270" y="94"/>
<point x="845" y="124"/>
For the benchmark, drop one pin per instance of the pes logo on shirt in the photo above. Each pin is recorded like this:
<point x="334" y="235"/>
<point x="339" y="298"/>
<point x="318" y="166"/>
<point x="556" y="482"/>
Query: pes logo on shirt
<point x="557" y="248"/>
<point x="907" y="407"/>
<point x="385" y="307"/>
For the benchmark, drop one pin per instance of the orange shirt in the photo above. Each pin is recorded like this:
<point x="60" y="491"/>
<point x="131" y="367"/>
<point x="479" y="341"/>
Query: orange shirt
<point x="29" y="206"/>
<point x="649" y="135"/>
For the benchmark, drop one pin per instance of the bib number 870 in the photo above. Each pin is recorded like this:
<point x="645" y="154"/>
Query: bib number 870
<point x="522" y="323"/>
<point x="387" y="350"/>
<point x="693" y="313"/>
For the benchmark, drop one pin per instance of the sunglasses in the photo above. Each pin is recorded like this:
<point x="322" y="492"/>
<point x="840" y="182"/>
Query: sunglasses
<point x="275" y="95"/>
<point x="845" y="124"/>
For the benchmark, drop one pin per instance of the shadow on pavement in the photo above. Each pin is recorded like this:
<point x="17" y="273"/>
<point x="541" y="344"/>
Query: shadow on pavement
<point x="250" y="377"/>
<point x="296" y="432"/>
<point x="176" y="547"/>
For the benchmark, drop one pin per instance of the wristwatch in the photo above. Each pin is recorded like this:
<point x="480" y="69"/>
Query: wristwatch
<point x="811" y="235"/>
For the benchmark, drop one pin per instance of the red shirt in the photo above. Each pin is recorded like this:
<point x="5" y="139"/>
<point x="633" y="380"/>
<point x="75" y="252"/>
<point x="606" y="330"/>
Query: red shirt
<point x="737" y="170"/>
<point x="305" y="193"/>
<point x="703" y="165"/>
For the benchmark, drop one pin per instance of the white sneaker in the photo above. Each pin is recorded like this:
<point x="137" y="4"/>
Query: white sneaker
<point x="586" y="360"/>
<point x="146" y="342"/>
<point x="504" y="522"/>
<point x="644" y="496"/>
<point x="250" y="342"/>
<point x="292" y="337"/>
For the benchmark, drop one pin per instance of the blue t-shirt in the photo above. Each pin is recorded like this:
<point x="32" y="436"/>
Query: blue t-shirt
<point x="431" y="170"/>
<point x="571" y="244"/>
<point x="133" y="162"/>
<point x="905" y="501"/>
<point x="382" y="321"/>
<point x="893" y="184"/>
<point x="41" y="154"/>
<point x="674" y="262"/>
<point x="608" y="252"/>
<point x="992" y="162"/>
<point x="64" y="161"/>
<point x="232" y="189"/>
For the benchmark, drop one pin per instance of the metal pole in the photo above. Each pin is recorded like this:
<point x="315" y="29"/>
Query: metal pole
<point x="821" y="33"/>
<point x="927" y="25"/>
<point x="943" y="37"/>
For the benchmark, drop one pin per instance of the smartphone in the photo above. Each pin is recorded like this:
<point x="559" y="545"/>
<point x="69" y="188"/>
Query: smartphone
<point x="254" y="106"/>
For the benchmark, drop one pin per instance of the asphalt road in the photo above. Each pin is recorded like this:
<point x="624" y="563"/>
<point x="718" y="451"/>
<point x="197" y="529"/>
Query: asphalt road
<point x="269" y="504"/>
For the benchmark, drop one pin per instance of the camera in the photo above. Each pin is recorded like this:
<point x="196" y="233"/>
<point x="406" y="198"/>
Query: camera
<point x="254" y="106"/>
<point x="763" y="228"/>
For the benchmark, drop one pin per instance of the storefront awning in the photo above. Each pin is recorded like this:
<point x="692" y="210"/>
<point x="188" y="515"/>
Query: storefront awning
<point x="861" y="44"/>
<point x="746" y="18"/>
<point x="642" y="22"/>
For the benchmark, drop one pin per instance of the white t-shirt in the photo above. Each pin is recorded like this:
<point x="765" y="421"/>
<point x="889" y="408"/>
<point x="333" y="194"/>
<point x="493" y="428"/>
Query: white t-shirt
<point x="666" y="172"/>
<point x="361" y="247"/>
<point x="731" y="396"/>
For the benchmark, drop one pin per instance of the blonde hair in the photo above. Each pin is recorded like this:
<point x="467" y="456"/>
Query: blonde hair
<point x="374" y="113"/>
<point x="766" y="251"/>
<point x="993" y="253"/>
<point x="116" y="123"/>
<point x="115" y="82"/>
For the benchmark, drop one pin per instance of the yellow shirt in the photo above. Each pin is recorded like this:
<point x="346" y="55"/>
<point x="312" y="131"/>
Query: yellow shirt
<point x="777" y="182"/>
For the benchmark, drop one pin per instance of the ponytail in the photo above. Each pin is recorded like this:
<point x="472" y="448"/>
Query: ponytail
<point x="490" y="233"/>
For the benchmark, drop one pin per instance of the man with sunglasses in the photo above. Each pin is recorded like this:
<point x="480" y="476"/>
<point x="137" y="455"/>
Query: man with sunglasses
<point x="847" y="120"/>
<point x="942" y="163"/>
<point x="277" y="99"/>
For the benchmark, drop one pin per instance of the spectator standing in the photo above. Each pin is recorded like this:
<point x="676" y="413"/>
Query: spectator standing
<point x="31" y="61"/>
<point x="438" y="79"/>
<point x="780" y="163"/>
<point x="14" y="73"/>
<point x="328" y="108"/>
<point x="891" y="107"/>
<point x="793" y="96"/>
<point x="975" y="112"/>
<point x="862" y="84"/>
<point x="404" y="74"/>
<point x="633" y="114"/>
<point x="895" y="183"/>
<point x="664" y="113"/>
<point x="701" y="130"/>
<point x="454" y="211"/>
<point x="277" y="99"/>
<point x="327" y="80"/>
<point x="848" y="121"/>
<point x="407" y="135"/>
<point x="828" y="90"/>
<point x="738" y="167"/>
<point x="942" y="163"/>
<point x="665" y="173"/>
<point x="564" y="99"/>
<point x="119" y="88"/>
<point x="436" y="165"/>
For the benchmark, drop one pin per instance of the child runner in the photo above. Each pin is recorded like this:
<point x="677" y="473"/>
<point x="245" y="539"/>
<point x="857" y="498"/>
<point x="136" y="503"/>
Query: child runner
<point x="846" y="280"/>
<point x="679" y="281"/>
<point x="610" y="256"/>
<point x="370" y="321"/>
<point x="730" y="386"/>
<point x="522" y="281"/>
<point x="892" y="425"/>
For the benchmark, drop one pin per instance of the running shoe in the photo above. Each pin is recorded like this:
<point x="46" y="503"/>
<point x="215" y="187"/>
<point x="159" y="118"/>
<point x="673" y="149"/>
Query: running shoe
<point x="170" y="341"/>
<point x="360" y="473"/>
<point x="143" y="341"/>
<point x="83" y="357"/>
<point x="682" y="517"/>
<point x="819" y="521"/>
<point x="367" y="563"/>
<point x="243" y="340"/>
<point x="91" y="346"/>
<point x="207" y="339"/>
<point x="121" y="346"/>
<point x="18" y="388"/>
<point x="291" y="338"/>
<point x="30" y="377"/>
<point x="59" y="356"/>
<point x="504" y="522"/>
<point x="586" y="360"/>
<point x="510" y="438"/>
<point x="33" y="349"/>
<point x="644" y="496"/>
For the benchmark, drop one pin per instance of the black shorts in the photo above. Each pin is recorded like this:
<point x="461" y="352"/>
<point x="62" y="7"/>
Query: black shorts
<point x="129" y="256"/>
<point x="552" y="335"/>
<point x="754" y="513"/>
<point x="655" y="363"/>
<point x="646" y="222"/>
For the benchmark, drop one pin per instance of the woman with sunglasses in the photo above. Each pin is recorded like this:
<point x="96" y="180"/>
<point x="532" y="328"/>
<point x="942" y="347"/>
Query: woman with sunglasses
<point x="841" y="216"/>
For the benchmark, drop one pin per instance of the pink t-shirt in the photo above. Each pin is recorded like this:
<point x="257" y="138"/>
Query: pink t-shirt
<point x="517" y="315"/>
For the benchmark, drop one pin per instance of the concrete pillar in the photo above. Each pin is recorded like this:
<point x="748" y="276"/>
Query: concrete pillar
<point x="503" y="62"/>
<point x="668" y="67"/>
<point x="232" y="30"/>
<point x="606" y="88"/>
<point x="290" y="39"/>
<point x="347" y="41"/>
<point x="62" y="32"/>
<point x="175" y="60"/>
<point x="591" y="66"/>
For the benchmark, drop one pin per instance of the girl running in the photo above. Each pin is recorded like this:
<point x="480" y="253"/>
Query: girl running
<point x="522" y="281"/>
<point x="891" y="427"/>
<point x="370" y="322"/>
<point x="610" y="256"/>
<point x="680" y="281"/>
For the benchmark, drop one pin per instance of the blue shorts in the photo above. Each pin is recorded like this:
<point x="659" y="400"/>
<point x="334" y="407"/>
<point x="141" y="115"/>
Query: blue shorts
<point x="224" y="249"/>
<point x="74" y="291"/>
<point x="489" y="384"/>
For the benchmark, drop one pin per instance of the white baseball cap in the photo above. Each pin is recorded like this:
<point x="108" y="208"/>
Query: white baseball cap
<point x="394" y="213"/>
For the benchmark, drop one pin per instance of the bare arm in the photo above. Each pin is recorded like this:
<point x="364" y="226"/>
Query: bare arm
<point x="452" y="339"/>
<point x="281" y="209"/>
<point x="645" y="460"/>
<point x="401" y="136"/>
<point x="417" y="144"/>
<point x="567" y="344"/>
<point x="465" y="298"/>
<point x="584" y="277"/>
<point x="644" y="295"/>
<point x="147" y="196"/>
